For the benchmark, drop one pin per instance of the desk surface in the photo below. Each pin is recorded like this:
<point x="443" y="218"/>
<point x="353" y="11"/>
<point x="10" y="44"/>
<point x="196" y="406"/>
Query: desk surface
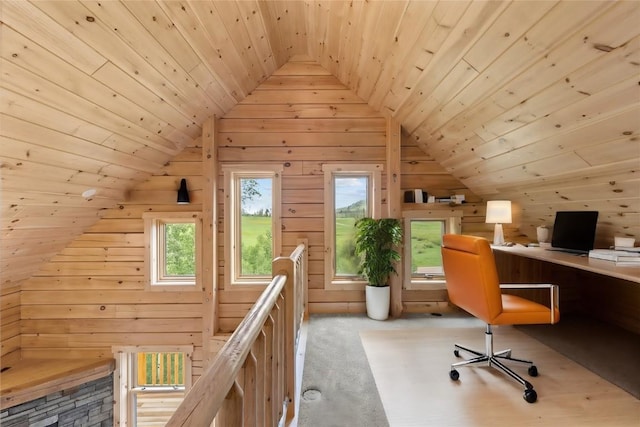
<point x="582" y="262"/>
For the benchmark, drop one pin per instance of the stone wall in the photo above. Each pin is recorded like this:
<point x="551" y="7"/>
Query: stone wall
<point x="89" y="404"/>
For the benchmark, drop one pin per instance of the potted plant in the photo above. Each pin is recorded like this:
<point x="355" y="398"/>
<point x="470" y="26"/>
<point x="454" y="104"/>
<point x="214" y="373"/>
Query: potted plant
<point x="375" y="243"/>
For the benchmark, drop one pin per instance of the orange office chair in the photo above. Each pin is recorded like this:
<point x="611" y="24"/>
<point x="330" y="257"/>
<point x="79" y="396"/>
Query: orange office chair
<point x="472" y="283"/>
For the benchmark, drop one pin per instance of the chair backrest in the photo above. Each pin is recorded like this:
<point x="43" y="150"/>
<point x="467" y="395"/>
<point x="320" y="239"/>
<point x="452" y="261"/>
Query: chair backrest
<point x="471" y="275"/>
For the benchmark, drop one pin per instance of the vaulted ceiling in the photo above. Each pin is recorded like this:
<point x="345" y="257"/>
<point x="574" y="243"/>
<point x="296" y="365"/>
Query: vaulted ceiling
<point x="507" y="96"/>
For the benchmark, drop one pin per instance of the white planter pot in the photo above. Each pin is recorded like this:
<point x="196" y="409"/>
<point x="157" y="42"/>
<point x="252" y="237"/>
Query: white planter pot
<point x="378" y="300"/>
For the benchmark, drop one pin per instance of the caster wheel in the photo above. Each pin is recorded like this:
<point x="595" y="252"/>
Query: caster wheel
<point x="533" y="371"/>
<point x="530" y="395"/>
<point x="454" y="375"/>
<point x="456" y="353"/>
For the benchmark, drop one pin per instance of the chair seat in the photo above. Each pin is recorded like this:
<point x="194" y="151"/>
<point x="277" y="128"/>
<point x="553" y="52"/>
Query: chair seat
<point x="521" y="311"/>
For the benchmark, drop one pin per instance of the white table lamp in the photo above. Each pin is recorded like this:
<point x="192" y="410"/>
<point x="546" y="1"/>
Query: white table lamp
<point x="498" y="213"/>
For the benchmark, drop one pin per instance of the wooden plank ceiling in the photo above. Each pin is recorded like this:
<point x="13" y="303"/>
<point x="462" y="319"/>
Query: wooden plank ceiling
<point x="516" y="99"/>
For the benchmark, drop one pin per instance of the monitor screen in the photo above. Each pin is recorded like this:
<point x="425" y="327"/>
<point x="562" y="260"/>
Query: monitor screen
<point x="575" y="230"/>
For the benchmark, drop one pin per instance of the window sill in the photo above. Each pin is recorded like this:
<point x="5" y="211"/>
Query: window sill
<point x="435" y="284"/>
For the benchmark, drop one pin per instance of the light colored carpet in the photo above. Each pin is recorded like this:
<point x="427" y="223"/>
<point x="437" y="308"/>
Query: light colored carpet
<point x="411" y="371"/>
<point x="338" y="389"/>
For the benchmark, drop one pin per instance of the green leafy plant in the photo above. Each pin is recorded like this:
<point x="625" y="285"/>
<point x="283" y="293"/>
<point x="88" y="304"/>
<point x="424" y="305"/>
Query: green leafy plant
<point x="375" y="243"/>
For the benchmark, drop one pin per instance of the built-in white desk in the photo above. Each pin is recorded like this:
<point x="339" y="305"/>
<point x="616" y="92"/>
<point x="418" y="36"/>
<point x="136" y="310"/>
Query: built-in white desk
<point x="583" y="262"/>
<point x="592" y="286"/>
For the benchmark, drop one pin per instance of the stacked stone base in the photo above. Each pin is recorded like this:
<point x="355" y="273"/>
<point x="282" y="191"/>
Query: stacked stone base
<point x="86" y="405"/>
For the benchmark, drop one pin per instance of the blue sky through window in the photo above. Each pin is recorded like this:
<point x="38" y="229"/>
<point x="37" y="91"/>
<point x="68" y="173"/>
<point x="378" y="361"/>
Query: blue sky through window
<point x="349" y="190"/>
<point x="264" y="200"/>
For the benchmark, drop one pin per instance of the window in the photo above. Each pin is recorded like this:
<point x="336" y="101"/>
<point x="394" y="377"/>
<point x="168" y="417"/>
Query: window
<point x="172" y="255"/>
<point x="252" y="223"/>
<point x="150" y="383"/>
<point x="350" y="194"/>
<point x="422" y="250"/>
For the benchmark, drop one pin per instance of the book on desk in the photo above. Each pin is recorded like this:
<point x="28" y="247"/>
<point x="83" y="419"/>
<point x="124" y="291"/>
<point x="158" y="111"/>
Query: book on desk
<point x="622" y="258"/>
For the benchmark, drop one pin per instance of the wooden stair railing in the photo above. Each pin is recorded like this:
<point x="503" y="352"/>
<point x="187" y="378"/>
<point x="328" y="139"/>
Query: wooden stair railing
<point x="251" y="382"/>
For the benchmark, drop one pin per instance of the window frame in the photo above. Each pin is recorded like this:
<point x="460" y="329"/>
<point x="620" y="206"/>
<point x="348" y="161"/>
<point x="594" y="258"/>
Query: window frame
<point x="154" y="223"/>
<point x="452" y="225"/>
<point x="125" y="386"/>
<point x="232" y="173"/>
<point x="330" y="171"/>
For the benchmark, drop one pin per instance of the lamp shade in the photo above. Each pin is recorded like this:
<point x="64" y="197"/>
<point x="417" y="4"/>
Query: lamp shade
<point x="498" y="212"/>
<point x="183" y="193"/>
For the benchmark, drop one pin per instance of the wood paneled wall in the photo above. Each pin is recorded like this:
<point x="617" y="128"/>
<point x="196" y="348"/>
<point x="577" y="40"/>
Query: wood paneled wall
<point x="303" y="117"/>
<point x="300" y="117"/>
<point x="615" y="194"/>
<point x="92" y="296"/>
<point x="10" y="324"/>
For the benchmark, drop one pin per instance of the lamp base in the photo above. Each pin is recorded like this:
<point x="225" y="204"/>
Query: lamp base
<point x="498" y="235"/>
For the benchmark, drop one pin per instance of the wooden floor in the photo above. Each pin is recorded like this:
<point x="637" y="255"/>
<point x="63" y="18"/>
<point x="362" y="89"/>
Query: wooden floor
<point x="411" y="367"/>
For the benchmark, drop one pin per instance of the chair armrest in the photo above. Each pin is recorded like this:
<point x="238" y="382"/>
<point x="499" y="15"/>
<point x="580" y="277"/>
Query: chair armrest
<point x="525" y="285"/>
<point x="553" y="293"/>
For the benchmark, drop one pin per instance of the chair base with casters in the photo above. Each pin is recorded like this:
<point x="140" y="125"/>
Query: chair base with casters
<point x="473" y="285"/>
<point x="493" y="359"/>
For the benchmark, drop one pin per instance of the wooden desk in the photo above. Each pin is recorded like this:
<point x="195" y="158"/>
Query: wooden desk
<point x="592" y="286"/>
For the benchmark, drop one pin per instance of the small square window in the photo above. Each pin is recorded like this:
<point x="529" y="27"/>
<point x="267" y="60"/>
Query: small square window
<point x="172" y="256"/>
<point x="177" y="250"/>
<point x="423" y="243"/>
<point x="426" y="241"/>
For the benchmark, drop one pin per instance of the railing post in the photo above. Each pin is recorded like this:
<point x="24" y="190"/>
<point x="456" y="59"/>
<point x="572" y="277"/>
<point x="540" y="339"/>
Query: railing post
<point x="250" y="399"/>
<point x="270" y="334"/>
<point x="285" y="266"/>
<point x="279" y="361"/>
<point x="302" y="284"/>
<point x="261" y="367"/>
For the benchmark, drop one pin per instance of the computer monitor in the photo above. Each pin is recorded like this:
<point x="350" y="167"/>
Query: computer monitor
<point x="574" y="231"/>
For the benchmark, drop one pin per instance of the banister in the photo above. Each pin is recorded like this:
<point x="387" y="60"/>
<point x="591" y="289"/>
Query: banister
<point x="257" y="363"/>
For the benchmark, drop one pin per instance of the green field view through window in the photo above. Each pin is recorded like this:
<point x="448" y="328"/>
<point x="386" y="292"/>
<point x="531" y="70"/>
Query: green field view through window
<point x="426" y="241"/>
<point x="256" y="245"/>
<point x="346" y="259"/>
<point x="256" y="223"/>
<point x="180" y="249"/>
